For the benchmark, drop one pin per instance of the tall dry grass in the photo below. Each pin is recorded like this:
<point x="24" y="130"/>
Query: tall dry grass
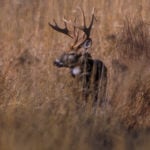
<point x="41" y="106"/>
<point x="133" y="40"/>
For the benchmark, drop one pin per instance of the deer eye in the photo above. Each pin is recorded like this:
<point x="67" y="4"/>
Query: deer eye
<point x="87" y="43"/>
<point x="71" y="57"/>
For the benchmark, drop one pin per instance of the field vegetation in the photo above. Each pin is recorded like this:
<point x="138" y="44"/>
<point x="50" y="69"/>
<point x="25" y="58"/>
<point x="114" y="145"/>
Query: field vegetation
<point x="41" y="106"/>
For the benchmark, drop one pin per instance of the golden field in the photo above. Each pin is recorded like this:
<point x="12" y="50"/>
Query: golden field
<point x="41" y="106"/>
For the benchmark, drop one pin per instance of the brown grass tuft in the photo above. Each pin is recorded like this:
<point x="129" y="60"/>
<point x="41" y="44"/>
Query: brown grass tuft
<point x="133" y="39"/>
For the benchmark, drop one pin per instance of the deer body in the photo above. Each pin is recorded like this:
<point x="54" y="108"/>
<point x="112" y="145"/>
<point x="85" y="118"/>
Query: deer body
<point x="79" y="60"/>
<point x="89" y="71"/>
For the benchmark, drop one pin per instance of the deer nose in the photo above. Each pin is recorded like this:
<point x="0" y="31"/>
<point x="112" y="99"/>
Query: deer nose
<point x="58" y="63"/>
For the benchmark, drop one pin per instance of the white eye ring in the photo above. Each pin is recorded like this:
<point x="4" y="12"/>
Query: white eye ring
<point x="87" y="43"/>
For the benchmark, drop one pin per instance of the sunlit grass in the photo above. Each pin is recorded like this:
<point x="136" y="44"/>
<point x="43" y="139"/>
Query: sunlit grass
<point x="41" y="107"/>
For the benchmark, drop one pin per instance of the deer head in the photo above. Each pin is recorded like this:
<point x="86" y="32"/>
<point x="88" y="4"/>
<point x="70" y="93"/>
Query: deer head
<point x="74" y="58"/>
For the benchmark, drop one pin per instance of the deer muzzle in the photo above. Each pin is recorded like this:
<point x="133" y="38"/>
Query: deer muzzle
<point x="58" y="63"/>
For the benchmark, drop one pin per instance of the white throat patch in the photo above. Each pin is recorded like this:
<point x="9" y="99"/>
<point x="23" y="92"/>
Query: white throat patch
<point x="76" y="70"/>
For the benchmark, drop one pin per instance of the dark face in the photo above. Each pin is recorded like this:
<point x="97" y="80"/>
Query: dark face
<point x="75" y="61"/>
<point x="70" y="59"/>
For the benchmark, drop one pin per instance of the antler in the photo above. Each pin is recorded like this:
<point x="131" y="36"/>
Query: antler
<point x="84" y="28"/>
<point x="75" y="34"/>
<point x="64" y="30"/>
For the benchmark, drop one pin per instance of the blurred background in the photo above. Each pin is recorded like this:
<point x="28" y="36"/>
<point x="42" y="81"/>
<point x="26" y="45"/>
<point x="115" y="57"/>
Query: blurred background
<point x="41" y="106"/>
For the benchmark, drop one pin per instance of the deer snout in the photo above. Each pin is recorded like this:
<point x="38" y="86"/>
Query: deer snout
<point x="58" y="63"/>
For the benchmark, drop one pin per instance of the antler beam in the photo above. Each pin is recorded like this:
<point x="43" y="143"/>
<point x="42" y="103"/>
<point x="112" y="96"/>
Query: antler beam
<point x="64" y="30"/>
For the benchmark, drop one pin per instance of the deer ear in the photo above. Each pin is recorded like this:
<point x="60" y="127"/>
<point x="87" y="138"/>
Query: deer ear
<point x="87" y="44"/>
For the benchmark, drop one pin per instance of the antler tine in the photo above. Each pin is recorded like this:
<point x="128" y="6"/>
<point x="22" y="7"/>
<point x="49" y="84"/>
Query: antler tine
<point x="75" y="31"/>
<point x="93" y="17"/>
<point x="76" y="38"/>
<point x="64" y="30"/>
<point x="84" y="28"/>
<point x="74" y="28"/>
<point x="83" y="15"/>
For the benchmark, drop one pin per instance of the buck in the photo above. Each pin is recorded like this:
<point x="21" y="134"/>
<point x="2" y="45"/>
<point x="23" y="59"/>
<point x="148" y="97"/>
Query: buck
<point x="91" y="72"/>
